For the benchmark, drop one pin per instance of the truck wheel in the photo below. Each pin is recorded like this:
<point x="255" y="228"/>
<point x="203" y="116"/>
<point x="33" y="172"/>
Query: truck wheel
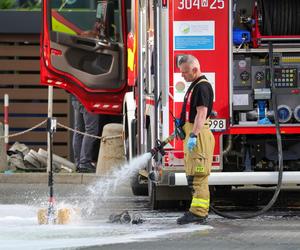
<point x="137" y="188"/>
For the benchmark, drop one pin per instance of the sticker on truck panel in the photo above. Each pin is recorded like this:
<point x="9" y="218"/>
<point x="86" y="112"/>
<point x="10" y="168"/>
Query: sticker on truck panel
<point x="217" y="124"/>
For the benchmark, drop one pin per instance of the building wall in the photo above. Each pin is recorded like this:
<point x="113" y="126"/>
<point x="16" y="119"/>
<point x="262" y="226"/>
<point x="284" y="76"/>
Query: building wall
<point x="28" y="99"/>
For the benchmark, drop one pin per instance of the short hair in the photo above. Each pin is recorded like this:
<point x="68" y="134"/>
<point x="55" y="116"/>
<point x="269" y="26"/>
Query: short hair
<point x="189" y="59"/>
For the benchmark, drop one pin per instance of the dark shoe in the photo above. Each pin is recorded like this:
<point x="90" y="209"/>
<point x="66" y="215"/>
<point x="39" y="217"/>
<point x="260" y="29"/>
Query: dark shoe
<point x="122" y="218"/>
<point x="125" y="218"/>
<point x="86" y="168"/>
<point x="189" y="217"/>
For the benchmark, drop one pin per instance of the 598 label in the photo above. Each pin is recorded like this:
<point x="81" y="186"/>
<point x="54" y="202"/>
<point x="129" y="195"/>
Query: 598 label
<point x="217" y="124"/>
<point x="197" y="4"/>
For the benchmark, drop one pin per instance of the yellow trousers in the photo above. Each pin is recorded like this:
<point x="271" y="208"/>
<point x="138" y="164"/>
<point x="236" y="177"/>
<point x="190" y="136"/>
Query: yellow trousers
<point x="197" y="167"/>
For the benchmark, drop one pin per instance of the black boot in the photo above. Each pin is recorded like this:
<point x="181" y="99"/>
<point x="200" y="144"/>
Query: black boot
<point x="189" y="217"/>
<point x="86" y="168"/>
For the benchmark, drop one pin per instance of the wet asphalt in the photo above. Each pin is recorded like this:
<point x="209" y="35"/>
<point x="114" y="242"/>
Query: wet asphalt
<point x="274" y="230"/>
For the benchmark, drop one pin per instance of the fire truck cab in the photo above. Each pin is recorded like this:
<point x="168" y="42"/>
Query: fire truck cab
<point x="120" y="57"/>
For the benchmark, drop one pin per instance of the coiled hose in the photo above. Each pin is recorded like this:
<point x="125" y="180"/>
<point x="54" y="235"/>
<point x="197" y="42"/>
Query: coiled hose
<point x="279" y="17"/>
<point x="280" y="158"/>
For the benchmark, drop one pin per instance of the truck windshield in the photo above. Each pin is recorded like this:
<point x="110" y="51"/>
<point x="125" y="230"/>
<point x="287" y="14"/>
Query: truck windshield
<point x="94" y="18"/>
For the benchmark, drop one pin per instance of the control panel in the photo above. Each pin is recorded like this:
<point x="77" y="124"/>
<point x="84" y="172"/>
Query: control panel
<point x="285" y="77"/>
<point x="242" y="76"/>
<point x="253" y="87"/>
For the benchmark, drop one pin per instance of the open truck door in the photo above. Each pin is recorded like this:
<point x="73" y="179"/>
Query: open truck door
<point x="83" y="51"/>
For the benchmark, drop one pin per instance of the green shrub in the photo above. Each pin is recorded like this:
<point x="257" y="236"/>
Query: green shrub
<point x="13" y="4"/>
<point x="36" y="4"/>
<point x="7" y="4"/>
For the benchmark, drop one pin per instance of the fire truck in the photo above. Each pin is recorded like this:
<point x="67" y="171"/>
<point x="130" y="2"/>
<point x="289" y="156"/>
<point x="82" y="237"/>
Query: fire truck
<point x="120" y="57"/>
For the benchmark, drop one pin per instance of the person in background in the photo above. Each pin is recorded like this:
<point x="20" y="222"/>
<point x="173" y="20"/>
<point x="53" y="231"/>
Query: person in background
<point x="83" y="146"/>
<point x="199" y="142"/>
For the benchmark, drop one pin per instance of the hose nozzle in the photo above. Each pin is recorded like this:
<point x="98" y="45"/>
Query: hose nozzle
<point x="178" y="133"/>
<point x="161" y="144"/>
<point x="159" y="148"/>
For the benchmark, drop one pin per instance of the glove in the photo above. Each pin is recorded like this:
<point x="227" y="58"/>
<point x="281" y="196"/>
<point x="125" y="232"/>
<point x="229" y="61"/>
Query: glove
<point x="192" y="141"/>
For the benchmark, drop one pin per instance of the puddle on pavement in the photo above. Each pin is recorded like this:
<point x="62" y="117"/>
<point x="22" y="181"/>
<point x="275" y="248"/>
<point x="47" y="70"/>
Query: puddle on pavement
<point x="19" y="230"/>
<point x="19" y="227"/>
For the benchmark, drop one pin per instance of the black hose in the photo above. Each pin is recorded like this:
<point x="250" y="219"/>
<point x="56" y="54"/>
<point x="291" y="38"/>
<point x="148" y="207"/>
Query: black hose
<point x="280" y="156"/>
<point x="279" y="17"/>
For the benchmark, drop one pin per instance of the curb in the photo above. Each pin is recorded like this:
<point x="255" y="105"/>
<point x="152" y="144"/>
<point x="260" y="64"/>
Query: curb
<point x="39" y="178"/>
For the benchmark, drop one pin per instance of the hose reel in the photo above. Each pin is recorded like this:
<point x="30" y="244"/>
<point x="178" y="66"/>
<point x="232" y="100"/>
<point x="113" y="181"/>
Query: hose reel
<point x="279" y="17"/>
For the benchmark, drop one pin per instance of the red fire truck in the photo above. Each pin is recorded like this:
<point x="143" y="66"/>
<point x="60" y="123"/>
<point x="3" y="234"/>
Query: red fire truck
<point x="120" y="57"/>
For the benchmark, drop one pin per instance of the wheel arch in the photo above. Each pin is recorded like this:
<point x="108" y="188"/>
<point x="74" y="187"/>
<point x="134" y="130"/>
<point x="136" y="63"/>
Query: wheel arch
<point x="129" y="114"/>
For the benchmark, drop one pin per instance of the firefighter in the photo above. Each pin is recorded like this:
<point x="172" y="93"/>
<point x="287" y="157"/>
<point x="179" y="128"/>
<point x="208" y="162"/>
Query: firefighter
<point x="199" y="142"/>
